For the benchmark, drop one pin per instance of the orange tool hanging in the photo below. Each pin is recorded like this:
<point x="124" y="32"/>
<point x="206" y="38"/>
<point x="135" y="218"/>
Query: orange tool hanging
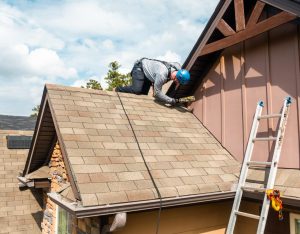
<point x="274" y="196"/>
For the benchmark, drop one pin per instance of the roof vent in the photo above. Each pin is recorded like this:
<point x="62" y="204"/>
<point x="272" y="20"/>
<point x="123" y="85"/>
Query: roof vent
<point x="18" y="142"/>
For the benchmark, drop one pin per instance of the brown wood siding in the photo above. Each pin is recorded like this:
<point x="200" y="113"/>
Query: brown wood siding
<point x="275" y="226"/>
<point x="256" y="88"/>
<point x="232" y="100"/>
<point x="262" y="68"/>
<point x="212" y="105"/>
<point x="205" y="219"/>
<point x="249" y="226"/>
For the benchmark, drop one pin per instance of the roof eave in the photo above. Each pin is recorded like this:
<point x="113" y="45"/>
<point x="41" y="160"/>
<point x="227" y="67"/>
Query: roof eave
<point x="289" y="6"/>
<point x="45" y="100"/>
<point x="206" y="33"/>
<point x="289" y="201"/>
<point x="83" y="212"/>
<point x="33" y="183"/>
<point x="35" y="134"/>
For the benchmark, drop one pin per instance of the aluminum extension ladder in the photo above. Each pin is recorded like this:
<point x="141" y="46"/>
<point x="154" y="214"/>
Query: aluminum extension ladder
<point x="247" y="163"/>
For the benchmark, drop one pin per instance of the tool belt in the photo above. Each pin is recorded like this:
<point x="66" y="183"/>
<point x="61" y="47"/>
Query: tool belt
<point x="138" y="66"/>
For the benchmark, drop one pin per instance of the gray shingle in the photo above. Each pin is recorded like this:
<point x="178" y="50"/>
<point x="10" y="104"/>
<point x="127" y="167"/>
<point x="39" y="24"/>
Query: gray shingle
<point x="183" y="157"/>
<point x="9" y="122"/>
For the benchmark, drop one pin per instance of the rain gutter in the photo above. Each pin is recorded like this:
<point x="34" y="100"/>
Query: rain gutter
<point x="82" y="212"/>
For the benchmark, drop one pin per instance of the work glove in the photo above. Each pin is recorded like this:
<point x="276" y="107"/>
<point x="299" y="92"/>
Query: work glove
<point x="185" y="99"/>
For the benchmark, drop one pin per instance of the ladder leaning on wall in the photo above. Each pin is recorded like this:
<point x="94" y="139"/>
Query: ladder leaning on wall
<point x="247" y="163"/>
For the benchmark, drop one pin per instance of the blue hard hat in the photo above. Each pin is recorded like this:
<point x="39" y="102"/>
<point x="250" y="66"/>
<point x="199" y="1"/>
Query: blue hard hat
<point x="183" y="76"/>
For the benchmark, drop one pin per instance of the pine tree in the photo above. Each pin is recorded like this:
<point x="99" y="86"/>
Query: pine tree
<point x="93" y="84"/>
<point x="114" y="78"/>
<point x="35" y="111"/>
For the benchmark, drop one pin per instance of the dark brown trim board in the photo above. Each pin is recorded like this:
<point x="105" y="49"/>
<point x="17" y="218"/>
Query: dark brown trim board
<point x="286" y="5"/>
<point x="266" y="25"/>
<point x="210" y="27"/>
<point x="239" y="15"/>
<point x="224" y="28"/>
<point x="259" y="6"/>
<point x="36" y="131"/>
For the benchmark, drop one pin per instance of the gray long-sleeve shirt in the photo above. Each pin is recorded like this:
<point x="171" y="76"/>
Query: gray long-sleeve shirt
<point x="157" y="73"/>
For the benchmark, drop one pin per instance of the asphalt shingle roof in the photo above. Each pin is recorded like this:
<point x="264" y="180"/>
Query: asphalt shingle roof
<point x="9" y="122"/>
<point x="184" y="158"/>
<point x="287" y="181"/>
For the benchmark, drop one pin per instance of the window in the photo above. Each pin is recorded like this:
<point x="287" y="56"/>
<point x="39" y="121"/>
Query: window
<point x="295" y="223"/>
<point x="18" y="142"/>
<point x="64" y="221"/>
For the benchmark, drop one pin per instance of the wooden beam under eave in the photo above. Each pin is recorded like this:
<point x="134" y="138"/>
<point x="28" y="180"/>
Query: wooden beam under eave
<point x="255" y="30"/>
<point x="224" y="28"/>
<point x="239" y="15"/>
<point x="258" y="8"/>
<point x="42" y="183"/>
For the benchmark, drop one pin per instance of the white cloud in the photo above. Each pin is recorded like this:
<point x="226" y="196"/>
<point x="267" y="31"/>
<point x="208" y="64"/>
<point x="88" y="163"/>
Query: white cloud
<point x="79" y="83"/>
<point x="46" y="62"/>
<point x="82" y="82"/>
<point x="170" y="56"/>
<point x="18" y="28"/>
<point x="87" y="18"/>
<point x="18" y="97"/>
<point x="20" y="61"/>
<point x="190" y="28"/>
<point x="69" y="42"/>
<point x="108" y="44"/>
<point x="159" y="39"/>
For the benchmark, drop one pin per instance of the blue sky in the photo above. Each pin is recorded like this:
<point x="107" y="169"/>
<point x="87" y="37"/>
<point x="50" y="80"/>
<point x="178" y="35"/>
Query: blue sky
<point x="69" y="42"/>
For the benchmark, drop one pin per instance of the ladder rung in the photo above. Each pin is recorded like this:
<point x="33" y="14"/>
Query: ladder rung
<point x="256" y="163"/>
<point x="269" y="116"/>
<point x="253" y="189"/>
<point x="265" y="139"/>
<point x="252" y="216"/>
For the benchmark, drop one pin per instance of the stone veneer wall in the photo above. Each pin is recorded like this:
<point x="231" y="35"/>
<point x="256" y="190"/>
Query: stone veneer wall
<point x="59" y="178"/>
<point x="20" y="211"/>
<point x="89" y="225"/>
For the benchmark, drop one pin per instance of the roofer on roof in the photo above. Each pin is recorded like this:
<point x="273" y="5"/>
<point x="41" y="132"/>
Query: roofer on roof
<point x="147" y="72"/>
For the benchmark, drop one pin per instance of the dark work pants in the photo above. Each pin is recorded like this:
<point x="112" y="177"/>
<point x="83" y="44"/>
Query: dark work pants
<point x="140" y="83"/>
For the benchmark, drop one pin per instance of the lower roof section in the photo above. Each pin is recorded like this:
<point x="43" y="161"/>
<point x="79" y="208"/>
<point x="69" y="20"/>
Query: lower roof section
<point x="9" y="122"/>
<point x="287" y="181"/>
<point x="113" y="143"/>
<point x="109" y="171"/>
<point x="81" y="212"/>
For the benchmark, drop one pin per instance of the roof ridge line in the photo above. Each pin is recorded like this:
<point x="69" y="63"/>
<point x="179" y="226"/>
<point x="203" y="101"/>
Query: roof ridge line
<point x="95" y="91"/>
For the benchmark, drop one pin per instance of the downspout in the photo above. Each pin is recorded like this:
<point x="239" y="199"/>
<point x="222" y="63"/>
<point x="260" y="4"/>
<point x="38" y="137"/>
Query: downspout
<point x="118" y="223"/>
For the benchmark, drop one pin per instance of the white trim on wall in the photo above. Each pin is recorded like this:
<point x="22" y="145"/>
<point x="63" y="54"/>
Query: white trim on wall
<point x="56" y="220"/>
<point x="293" y="217"/>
